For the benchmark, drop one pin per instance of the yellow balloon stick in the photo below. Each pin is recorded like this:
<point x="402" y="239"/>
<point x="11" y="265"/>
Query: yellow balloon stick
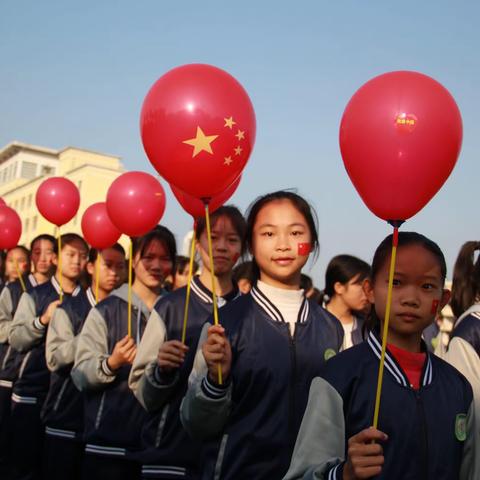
<point x="212" y="272"/>
<point x="129" y="324"/>
<point x="59" y="264"/>
<point x="97" y="273"/>
<point x="385" y="327"/>
<point x="22" y="283"/>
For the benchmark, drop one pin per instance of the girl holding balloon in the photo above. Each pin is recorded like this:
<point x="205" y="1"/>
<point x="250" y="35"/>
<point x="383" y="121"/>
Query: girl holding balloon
<point x="427" y="406"/>
<point x="105" y="350"/>
<point x="164" y="360"/>
<point x="270" y="344"/>
<point x="63" y="410"/>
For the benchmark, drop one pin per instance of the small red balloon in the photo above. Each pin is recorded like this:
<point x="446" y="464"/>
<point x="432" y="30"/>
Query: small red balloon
<point x="10" y="228"/>
<point x="135" y="203"/>
<point x="58" y="200"/>
<point x="400" y="137"/>
<point x="198" y="129"/>
<point x="98" y="230"/>
<point x="196" y="208"/>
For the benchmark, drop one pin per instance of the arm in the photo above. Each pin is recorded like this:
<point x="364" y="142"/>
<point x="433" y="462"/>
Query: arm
<point x="61" y="341"/>
<point x="319" y="452"/>
<point x="91" y="369"/>
<point x="151" y="388"/>
<point x="206" y="406"/>
<point x="5" y="314"/>
<point x="26" y="329"/>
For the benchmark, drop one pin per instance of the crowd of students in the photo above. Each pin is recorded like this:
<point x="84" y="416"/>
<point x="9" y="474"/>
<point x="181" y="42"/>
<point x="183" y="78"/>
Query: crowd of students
<point x="283" y="387"/>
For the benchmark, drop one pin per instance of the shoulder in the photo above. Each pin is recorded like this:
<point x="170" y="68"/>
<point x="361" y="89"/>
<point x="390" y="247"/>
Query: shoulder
<point x="468" y="327"/>
<point x="171" y="298"/>
<point x="109" y="304"/>
<point x="450" y="376"/>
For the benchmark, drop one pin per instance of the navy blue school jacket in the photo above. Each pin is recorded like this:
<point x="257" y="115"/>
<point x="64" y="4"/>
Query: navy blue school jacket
<point x="430" y="430"/>
<point x="263" y="405"/>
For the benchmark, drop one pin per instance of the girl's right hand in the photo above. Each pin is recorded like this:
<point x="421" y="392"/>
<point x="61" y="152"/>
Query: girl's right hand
<point x="123" y="353"/>
<point x="217" y="351"/>
<point x="365" y="459"/>
<point x="171" y="355"/>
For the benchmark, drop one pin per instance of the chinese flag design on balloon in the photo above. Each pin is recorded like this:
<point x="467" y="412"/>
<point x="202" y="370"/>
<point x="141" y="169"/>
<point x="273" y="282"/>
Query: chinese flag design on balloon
<point x="198" y="129"/>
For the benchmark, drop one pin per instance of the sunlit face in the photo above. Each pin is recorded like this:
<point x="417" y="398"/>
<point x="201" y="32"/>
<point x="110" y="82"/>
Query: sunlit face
<point x="42" y="256"/>
<point x="16" y="257"/>
<point x="226" y="246"/>
<point x="74" y="257"/>
<point x="352" y="294"/>
<point x="154" y="265"/>
<point x="418" y="292"/>
<point x="111" y="269"/>
<point x="279" y="229"/>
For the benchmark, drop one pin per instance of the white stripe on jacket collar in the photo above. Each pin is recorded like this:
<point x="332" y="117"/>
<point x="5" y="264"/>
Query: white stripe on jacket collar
<point x="392" y="366"/>
<point x="273" y="312"/>
<point x="57" y="288"/>
<point x="91" y="297"/>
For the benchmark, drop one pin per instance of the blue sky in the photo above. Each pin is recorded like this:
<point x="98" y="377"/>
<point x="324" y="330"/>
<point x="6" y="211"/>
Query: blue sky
<point x="76" y="74"/>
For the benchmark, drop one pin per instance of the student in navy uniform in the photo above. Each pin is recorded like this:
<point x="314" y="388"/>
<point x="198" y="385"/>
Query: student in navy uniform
<point x="63" y="408"/>
<point x="464" y="346"/>
<point x="105" y="352"/>
<point x="160" y="371"/>
<point x="426" y="411"/>
<point x="27" y="334"/>
<point x="345" y="295"/>
<point x="41" y="256"/>
<point x="270" y="344"/>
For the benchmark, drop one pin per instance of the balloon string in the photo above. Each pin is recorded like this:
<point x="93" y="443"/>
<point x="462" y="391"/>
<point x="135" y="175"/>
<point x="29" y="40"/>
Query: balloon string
<point x="97" y="275"/>
<point x="59" y="267"/>
<point x="130" y="289"/>
<point x="22" y="283"/>
<point x="190" y="275"/>
<point x="212" y="272"/>
<point x="385" y="326"/>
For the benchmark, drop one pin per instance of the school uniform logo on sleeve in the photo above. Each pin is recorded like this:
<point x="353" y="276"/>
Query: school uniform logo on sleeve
<point x="461" y="427"/>
<point x="329" y="353"/>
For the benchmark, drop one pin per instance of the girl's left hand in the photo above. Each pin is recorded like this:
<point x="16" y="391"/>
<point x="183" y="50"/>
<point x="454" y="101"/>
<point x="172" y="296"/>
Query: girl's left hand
<point x="217" y="350"/>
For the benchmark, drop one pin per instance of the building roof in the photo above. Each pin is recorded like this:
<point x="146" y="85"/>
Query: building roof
<point x="14" y="147"/>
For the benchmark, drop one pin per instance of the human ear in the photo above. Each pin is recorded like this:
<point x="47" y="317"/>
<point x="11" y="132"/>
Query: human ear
<point x="446" y="295"/>
<point x="368" y="290"/>
<point x="339" y="288"/>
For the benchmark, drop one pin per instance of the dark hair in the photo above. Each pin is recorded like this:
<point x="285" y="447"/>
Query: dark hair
<point x="298" y="202"/>
<point x="383" y="252"/>
<point x="181" y="262"/>
<point x="342" y="268"/>
<point x="233" y="214"/>
<point x="93" y="253"/>
<point x="68" y="238"/>
<point x="466" y="279"/>
<point x="160" y="233"/>
<point x="43" y="236"/>
<point x="306" y="282"/>
<point x="243" y="270"/>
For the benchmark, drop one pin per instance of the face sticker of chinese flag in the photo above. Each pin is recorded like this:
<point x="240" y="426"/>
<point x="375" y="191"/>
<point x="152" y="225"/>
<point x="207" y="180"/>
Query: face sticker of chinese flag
<point x="304" y="248"/>
<point x="434" y="306"/>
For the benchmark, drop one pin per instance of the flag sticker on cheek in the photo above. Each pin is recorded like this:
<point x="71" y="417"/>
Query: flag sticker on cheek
<point x="304" y="248"/>
<point x="235" y="257"/>
<point x="435" y="306"/>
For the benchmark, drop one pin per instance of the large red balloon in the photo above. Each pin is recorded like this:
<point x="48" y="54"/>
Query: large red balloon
<point x="400" y="138"/>
<point x="198" y="129"/>
<point x="135" y="203"/>
<point x="98" y="230"/>
<point x="10" y="228"/>
<point x="58" y="200"/>
<point x="2" y="202"/>
<point x="196" y="208"/>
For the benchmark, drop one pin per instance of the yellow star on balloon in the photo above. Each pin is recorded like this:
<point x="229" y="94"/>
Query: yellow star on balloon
<point x="229" y="122"/>
<point x="238" y="150"/>
<point x="228" y="160"/>
<point x="240" y="135"/>
<point x="201" y="142"/>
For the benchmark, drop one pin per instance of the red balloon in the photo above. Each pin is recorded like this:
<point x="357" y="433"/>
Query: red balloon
<point x="2" y="202"/>
<point x="135" y="203"/>
<point x="198" y="129"/>
<point x="58" y="200"/>
<point x="400" y="138"/>
<point x="10" y="228"/>
<point x="196" y="208"/>
<point x="98" y="230"/>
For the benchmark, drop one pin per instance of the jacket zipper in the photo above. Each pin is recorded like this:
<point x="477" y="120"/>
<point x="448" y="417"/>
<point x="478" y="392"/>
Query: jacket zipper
<point x="293" y="359"/>
<point x="161" y="425"/>
<point x="5" y="358"/>
<point x="424" y="452"/>
<point x="60" y="395"/>
<point x="100" y="411"/>
<point x="24" y="364"/>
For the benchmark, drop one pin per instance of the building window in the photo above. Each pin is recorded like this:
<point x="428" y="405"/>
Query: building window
<point x="16" y="204"/>
<point x="29" y="169"/>
<point x="79" y="185"/>
<point x="22" y="203"/>
<point x="47" y="170"/>
<point x="29" y="200"/>
<point x="27" y="224"/>
<point x="34" y="223"/>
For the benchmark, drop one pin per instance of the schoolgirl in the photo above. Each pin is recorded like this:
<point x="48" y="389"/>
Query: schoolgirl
<point x="103" y="358"/>
<point x="160" y="371"/>
<point x="426" y="411"/>
<point x="63" y="409"/>
<point x="345" y="295"/>
<point x="270" y="345"/>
